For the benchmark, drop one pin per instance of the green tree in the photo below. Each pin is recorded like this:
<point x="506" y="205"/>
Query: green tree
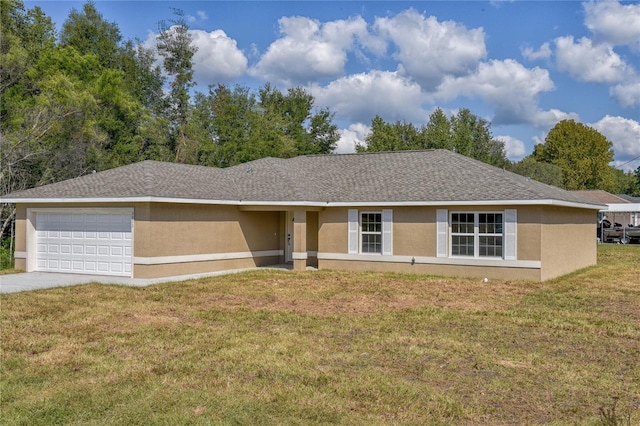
<point x="437" y="134"/>
<point x="174" y="44"/>
<point x="88" y="32"/>
<point x="464" y="133"/>
<point x="581" y="152"/>
<point x="542" y="172"/>
<point x="625" y="183"/>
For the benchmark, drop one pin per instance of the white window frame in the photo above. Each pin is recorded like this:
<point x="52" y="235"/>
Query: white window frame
<point x="355" y="232"/>
<point x="362" y="233"/>
<point x="476" y="234"/>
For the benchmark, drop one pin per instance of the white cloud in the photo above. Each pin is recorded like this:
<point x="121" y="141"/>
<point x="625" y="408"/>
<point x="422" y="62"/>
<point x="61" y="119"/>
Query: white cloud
<point x="624" y="133"/>
<point x="626" y="94"/>
<point x="589" y="62"/>
<point x="202" y="15"/>
<point x="359" y="97"/>
<point x="428" y="50"/>
<point x="510" y="88"/>
<point x="543" y="53"/>
<point x="350" y="137"/>
<point x="614" y="23"/>
<point x="218" y="59"/>
<point x="310" y="50"/>
<point x="514" y="148"/>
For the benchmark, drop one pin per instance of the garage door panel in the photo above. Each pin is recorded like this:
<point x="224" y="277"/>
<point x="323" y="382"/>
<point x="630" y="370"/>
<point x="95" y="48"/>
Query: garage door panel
<point x="84" y="243"/>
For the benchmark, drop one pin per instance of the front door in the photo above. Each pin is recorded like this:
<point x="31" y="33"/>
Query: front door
<point x="288" y="248"/>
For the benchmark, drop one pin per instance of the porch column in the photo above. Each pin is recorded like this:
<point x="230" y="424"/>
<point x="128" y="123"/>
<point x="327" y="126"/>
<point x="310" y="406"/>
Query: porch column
<point x="299" y="240"/>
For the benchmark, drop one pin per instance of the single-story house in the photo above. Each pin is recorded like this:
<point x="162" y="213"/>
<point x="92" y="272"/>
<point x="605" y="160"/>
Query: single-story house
<point x="431" y="211"/>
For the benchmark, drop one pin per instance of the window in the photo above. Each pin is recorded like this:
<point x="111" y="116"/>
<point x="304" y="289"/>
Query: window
<point x="490" y="234"/>
<point x="370" y="232"/>
<point x="477" y="234"/>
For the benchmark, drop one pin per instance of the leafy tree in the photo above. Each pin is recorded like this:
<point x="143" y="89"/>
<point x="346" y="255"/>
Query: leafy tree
<point x="464" y="133"/>
<point x="581" y="152"/>
<point x="437" y="132"/>
<point x="625" y="183"/>
<point x="174" y="44"/>
<point x="88" y="32"/>
<point x="542" y="172"/>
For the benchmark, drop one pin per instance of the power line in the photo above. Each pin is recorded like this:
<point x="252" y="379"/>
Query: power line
<point x="627" y="162"/>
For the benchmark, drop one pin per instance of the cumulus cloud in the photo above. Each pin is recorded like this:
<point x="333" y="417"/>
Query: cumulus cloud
<point x="543" y="53"/>
<point x="589" y="62"/>
<point x="359" y="97"/>
<point x="623" y="133"/>
<point x="309" y="50"/>
<point x="613" y="22"/>
<point x="218" y="59"/>
<point x="626" y="94"/>
<point x="514" y="148"/>
<point x="428" y="49"/>
<point x="350" y="137"/>
<point x="510" y="88"/>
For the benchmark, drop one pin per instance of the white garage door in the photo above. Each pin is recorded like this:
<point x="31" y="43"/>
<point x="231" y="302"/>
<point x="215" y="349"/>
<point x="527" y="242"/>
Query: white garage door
<point x="84" y="243"/>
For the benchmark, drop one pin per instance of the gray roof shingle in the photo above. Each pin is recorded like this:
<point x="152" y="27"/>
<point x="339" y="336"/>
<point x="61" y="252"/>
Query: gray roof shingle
<point x="387" y="177"/>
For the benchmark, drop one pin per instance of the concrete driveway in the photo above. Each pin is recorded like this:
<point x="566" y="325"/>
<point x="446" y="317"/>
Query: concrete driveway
<point x="27" y="281"/>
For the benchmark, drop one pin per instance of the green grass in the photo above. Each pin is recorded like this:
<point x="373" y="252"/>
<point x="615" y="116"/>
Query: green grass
<point x="329" y="347"/>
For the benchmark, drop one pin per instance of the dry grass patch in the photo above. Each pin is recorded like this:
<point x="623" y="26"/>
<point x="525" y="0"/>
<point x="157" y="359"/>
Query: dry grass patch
<point x="328" y="347"/>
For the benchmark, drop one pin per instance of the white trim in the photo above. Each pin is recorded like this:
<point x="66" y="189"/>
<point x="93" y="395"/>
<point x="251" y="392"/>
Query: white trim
<point x="489" y="262"/>
<point x="159" y="260"/>
<point x="442" y="231"/>
<point x="20" y="255"/>
<point x="297" y="255"/>
<point x="353" y="223"/>
<point x="312" y="253"/>
<point x="387" y="231"/>
<point x="622" y="208"/>
<point x="543" y="202"/>
<point x="510" y="234"/>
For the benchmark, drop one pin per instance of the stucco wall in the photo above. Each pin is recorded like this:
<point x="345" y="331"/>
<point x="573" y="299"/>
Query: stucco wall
<point x="559" y="239"/>
<point x="568" y="240"/>
<point x="190" y="229"/>
<point x="166" y="237"/>
<point x="546" y="235"/>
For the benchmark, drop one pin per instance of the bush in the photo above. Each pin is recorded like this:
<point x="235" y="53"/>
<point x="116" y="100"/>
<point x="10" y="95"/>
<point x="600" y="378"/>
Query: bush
<point x="6" y="253"/>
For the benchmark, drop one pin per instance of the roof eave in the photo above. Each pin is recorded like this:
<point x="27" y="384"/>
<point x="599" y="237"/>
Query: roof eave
<point x="153" y="199"/>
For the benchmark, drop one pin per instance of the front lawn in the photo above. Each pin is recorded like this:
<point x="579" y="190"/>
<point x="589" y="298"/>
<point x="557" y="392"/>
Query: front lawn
<point x="326" y="347"/>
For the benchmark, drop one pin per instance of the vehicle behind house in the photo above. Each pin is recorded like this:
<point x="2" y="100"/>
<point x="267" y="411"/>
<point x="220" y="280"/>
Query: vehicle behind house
<point x="618" y="233"/>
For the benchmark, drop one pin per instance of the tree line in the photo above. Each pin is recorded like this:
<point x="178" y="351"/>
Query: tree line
<point x="84" y="99"/>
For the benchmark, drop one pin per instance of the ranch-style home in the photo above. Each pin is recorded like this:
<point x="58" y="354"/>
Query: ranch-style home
<point x="431" y="211"/>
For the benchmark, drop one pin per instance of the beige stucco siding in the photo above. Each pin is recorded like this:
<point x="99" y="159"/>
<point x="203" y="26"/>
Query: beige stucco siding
<point x="568" y="240"/>
<point x="414" y="231"/>
<point x="191" y="229"/>
<point x="166" y="237"/>
<point x="332" y="230"/>
<point x="529" y="233"/>
<point x="558" y="239"/>
<point x="532" y="274"/>
<point x="177" y="239"/>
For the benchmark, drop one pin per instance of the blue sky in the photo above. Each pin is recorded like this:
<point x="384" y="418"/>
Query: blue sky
<point x="523" y="66"/>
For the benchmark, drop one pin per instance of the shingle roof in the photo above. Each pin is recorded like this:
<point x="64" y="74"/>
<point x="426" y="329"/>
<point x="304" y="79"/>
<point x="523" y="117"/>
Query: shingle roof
<point x="601" y="197"/>
<point x="388" y="177"/>
<point x="629" y="198"/>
